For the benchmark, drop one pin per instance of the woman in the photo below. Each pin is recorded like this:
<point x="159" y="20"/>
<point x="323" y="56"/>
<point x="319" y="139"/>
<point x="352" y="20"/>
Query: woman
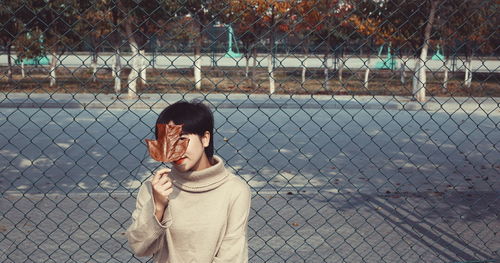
<point x="198" y="210"/>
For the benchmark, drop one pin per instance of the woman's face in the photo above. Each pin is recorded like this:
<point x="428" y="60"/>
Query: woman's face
<point x="195" y="158"/>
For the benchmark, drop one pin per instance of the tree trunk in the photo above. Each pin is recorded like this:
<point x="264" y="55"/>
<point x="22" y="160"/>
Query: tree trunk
<point x="270" y="71"/>
<point x="306" y="57"/>
<point x="444" y="86"/>
<point x="420" y="81"/>
<point x="367" y="73"/>
<point x="270" y="66"/>
<point x="155" y="52"/>
<point x="197" y="62"/>
<point x="9" y="59"/>
<point x="468" y="72"/>
<point x="341" y="66"/>
<point x="197" y="69"/>
<point x="197" y="56"/>
<point x="143" y="66"/>
<point x="304" y="69"/>
<point x="134" y="70"/>
<point x="53" y="64"/>
<point x="247" y="64"/>
<point x="415" y="76"/>
<point x="445" y="78"/>
<point x="326" y="72"/>
<point x="94" y="66"/>
<point x="134" y="67"/>
<point x="402" y="71"/>
<point x="254" y="66"/>
<point x="116" y="39"/>
<point x="116" y="71"/>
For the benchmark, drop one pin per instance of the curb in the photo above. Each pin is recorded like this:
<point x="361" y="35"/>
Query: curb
<point x="244" y="101"/>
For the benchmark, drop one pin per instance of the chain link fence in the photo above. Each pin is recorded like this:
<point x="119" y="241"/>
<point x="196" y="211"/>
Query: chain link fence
<point x="368" y="130"/>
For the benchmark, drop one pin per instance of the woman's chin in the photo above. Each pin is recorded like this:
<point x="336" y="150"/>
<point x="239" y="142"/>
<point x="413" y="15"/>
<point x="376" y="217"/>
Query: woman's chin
<point x="181" y="167"/>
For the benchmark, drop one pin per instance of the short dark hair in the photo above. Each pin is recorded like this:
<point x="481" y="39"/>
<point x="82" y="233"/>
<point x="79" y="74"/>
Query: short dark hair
<point x="196" y="117"/>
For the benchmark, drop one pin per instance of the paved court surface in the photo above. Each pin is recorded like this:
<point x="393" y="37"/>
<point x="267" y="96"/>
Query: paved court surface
<point x="382" y="179"/>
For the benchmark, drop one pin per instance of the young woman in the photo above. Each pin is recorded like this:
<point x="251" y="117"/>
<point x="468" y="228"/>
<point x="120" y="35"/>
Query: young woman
<point x="197" y="211"/>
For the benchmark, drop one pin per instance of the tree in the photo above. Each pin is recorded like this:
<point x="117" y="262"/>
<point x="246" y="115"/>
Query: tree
<point x="470" y="24"/>
<point x="96" y="23"/>
<point x="274" y="15"/>
<point x="260" y="19"/>
<point x="415" y="24"/>
<point x="113" y="21"/>
<point x="419" y="82"/>
<point x="57" y="21"/>
<point x="244" y="17"/>
<point x="250" y="41"/>
<point x="101" y="22"/>
<point x="335" y="29"/>
<point x="367" y="21"/>
<point x="202" y="13"/>
<point x="306" y="19"/>
<point x="9" y="29"/>
<point x="28" y="46"/>
<point x="139" y="21"/>
<point x="406" y="23"/>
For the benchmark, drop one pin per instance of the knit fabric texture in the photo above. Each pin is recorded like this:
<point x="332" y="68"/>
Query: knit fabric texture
<point x="205" y="221"/>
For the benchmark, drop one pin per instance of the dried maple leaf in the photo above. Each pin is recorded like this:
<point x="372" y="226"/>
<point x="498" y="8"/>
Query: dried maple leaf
<point x="168" y="147"/>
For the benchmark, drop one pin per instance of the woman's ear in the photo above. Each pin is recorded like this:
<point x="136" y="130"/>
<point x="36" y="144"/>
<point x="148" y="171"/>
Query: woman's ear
<point x="205" y="139"/>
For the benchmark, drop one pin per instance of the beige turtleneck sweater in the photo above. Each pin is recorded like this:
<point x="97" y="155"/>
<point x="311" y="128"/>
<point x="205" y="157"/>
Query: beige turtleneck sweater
<point x="205" y="220"/>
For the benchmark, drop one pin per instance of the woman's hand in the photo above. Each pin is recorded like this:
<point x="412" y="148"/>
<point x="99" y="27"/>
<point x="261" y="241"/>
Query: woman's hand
<point x="162" y="188"/>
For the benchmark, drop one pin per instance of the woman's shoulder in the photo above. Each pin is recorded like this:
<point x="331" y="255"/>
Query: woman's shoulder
<point x="238" y="190"/>
<point x="235" y="182"/>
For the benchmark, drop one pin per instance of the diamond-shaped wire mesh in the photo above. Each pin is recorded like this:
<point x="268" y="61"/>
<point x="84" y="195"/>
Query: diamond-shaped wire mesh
<point x="368" y="131"/>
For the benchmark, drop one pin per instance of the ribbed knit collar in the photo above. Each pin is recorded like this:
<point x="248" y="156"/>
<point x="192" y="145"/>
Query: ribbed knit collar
<point x="201" y="181"/>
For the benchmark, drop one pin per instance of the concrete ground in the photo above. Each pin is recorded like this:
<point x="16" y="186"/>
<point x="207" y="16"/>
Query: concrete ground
<point x="334" y="179"/>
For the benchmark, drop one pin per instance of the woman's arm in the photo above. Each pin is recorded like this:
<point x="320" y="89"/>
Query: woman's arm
<point x="146" y="232"/>
<point x="234" y="248"/>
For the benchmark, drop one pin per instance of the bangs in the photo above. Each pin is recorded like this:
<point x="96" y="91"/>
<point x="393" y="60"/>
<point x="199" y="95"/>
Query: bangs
<point x="192" y="123"/>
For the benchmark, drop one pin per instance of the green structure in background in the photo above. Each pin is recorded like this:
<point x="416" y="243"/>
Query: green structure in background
<point x="438" y="55"/>
<point x="40" y="60"/>
<point x="230" y="39"/>
<point x="388" y="62"/>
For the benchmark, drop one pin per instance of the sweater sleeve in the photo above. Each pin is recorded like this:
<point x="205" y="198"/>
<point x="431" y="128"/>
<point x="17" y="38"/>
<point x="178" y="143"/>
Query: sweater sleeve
<point x="234" y="247"/>
<point x="145" y="233"/>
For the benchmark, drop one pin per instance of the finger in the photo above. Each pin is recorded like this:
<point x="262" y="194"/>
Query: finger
<point x="163" y="171"/>
<point x="155" y="178"/>
<point x="168" y="185"/>
<point x="159" y="174"/>
<point x="161" y="190"/>
<point x="168" y="191"/>
<point x="163" y="180"/>
<point x="164" y="187"/>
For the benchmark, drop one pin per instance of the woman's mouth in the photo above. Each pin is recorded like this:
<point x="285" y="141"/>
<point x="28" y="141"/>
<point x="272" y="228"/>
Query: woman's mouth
<point x="180" y="161"/>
